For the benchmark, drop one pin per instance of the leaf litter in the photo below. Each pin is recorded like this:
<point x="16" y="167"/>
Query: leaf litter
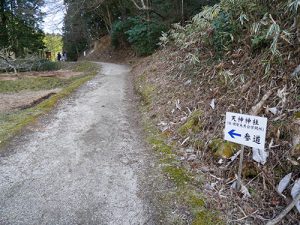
<point x="274" y="97"/>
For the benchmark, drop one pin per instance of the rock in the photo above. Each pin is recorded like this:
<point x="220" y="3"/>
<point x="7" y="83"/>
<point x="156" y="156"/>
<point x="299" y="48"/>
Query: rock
<point x="183" y="119"/>
<point x="273" y="110"/>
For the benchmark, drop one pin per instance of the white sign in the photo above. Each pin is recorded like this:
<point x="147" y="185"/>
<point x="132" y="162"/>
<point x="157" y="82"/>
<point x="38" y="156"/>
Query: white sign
<point x="246" y="130"/>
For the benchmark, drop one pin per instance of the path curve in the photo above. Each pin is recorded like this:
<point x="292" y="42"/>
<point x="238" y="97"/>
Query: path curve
<point x="81" y="165"/>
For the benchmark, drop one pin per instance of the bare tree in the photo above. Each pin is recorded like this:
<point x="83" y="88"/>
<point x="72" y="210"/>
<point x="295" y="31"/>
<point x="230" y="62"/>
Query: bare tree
<point x="6" y="60"/>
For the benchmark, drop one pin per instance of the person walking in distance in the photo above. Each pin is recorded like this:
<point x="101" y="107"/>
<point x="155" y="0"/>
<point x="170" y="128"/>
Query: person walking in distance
<point x="58" y="56"/>
<point x="64" y="56"/>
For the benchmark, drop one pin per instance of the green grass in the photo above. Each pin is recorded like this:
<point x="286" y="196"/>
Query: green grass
<point x="44" y="83"/>
<point x="206" y="217"/>
<point x="13" y="123"/>
<point x="33" y="84"/>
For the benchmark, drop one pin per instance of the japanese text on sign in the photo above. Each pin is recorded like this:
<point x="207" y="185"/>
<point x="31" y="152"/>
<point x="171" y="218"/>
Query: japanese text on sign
<point x="246" y="129"/>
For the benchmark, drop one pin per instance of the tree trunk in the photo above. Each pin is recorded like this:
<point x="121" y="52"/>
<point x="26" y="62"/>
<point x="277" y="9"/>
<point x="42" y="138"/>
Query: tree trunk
<point x="2" y="14"/>
<point x="298" y="28"/>
<point x="182" y="12"/>
<point x="109" y="18"/>
<point x="147" y="11"/>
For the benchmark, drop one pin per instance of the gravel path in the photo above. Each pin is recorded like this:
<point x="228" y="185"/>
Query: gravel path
<point x="82" y="164"/>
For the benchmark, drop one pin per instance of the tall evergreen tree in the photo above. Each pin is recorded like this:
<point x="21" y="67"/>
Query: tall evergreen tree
<point x="20" y="25"/>
<point x="75" y="37"/>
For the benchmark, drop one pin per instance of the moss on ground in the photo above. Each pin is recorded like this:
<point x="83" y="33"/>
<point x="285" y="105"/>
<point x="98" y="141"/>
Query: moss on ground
<point x="146" y="94"/>
<point x="178" y="175"/>
<point x="207" y="217"/>
<point x="144" y="89"/>
<point x="185" y="194"/>
<point x="192" y="125"/>
<point x="297" y="115"/>
<point x="159" y="145"/>
<point x="195" y="201"/>
<point x="13" y="123"/>
<point x="223" y="148"/>
<point x="250" y="170"/>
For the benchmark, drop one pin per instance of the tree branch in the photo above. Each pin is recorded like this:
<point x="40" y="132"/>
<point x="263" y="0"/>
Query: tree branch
<point x="285" y="211"/>
<point x="143" y="7"/>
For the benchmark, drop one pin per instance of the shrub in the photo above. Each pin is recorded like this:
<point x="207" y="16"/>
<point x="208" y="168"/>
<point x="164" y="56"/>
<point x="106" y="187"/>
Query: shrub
<point x="145" y="37"/>
<point x="259" y="42"/>
<point x="142" y="35"/>
<point x="28" y="64"/>
<point x="45" y="65"/>
<point x="224" y="30"/>
<point x="118" y="34"/>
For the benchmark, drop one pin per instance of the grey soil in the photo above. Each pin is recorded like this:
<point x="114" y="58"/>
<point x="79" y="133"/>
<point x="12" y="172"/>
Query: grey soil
<point x="82" y="164"/>
<point x="24" y="99"/>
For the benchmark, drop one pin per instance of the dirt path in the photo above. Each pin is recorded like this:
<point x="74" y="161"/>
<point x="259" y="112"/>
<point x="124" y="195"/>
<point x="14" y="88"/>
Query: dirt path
<point x="82" y="165"/>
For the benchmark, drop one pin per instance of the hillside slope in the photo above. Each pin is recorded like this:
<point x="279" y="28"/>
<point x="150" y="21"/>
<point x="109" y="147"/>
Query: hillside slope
<point x="102" y="50"/>
<point x="189" y="85"/>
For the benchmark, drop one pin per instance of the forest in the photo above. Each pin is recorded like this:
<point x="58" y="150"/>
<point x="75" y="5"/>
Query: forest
<point x="20" y="30"/>
<point x="137" y="23"/>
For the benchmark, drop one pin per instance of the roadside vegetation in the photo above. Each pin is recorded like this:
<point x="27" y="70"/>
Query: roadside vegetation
<point x="184" y="194"/>
<point x="56" y="88"/>
<point x="236" y="56"/>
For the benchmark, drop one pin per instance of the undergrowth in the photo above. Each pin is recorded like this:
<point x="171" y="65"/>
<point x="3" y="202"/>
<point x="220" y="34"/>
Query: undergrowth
<point x="258" y="25"/>
<point x="185" y="184"/>
<point x="237" y="56"/>
<point x="31" y="64"/>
